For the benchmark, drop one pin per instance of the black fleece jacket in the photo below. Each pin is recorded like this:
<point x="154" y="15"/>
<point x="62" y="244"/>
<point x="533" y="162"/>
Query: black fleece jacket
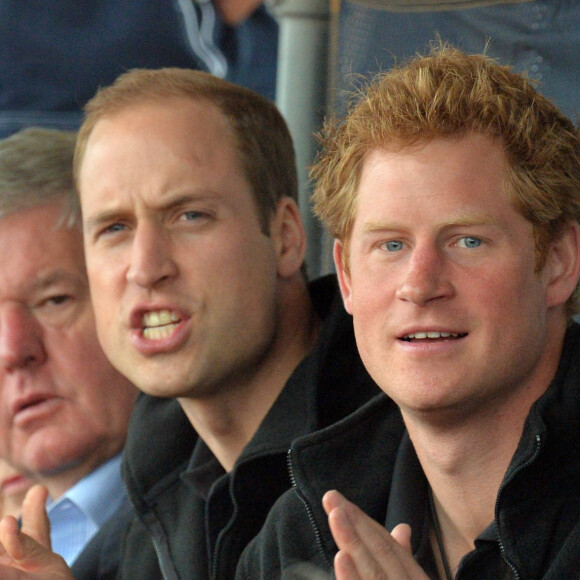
<point x="536" y="531"/>
<point x="193" y="520"/>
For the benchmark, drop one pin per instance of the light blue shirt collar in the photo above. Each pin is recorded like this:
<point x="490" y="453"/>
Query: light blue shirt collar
<point x="78" y="514"/>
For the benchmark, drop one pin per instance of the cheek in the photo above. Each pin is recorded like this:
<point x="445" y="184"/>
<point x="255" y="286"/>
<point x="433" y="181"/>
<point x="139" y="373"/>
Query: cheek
<point x="105" y="309"/>
<point x="107" y="397"/>
<point x="105" y="329"/>
<point x="79" y="355"/>
<point x="109" y="408"/>
<point x="371" y="294"/>
<point x="370" y="312"/>
<point x="4" y="439"/>
<point x="106" y="279"/>
<point x="255" y="269"/>
<point x="507" y="294"/>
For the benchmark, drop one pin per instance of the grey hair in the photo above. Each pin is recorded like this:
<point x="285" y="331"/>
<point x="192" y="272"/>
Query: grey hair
<point x="36" y="168"/>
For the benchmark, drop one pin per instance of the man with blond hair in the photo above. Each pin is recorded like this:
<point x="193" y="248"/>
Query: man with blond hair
<point x="452" y="191"/>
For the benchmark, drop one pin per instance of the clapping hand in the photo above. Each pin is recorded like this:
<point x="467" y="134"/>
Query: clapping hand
<point x="366" y="549"/>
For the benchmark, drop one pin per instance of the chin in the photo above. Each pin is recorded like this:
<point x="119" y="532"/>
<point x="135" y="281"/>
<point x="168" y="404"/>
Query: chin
<point x="158" y="389"/>
<point x="54" y="459"/>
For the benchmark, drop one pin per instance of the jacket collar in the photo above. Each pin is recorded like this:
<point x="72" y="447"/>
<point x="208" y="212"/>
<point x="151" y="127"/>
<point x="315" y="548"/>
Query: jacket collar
<point x="331" y="381"/>
<point x="542" y="483"/>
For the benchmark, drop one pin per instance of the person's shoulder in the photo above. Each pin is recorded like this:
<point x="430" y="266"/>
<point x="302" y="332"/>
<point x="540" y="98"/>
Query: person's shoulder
<point x="286" y="546"/>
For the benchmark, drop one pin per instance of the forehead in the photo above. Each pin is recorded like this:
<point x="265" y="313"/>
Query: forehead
<point x="462" y="171"/>
<point x="145" y="158"/>
<point x="38" y="225"/>
<point x="35" y="247"/>
<point x="159" y="140"/>
<point x="189" y="125"/>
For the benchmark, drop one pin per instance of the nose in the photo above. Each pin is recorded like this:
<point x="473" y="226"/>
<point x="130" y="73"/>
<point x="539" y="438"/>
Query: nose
<point x="21" y="343"/>
<point x="424" y="279"/>
<point x="151" y="260"/>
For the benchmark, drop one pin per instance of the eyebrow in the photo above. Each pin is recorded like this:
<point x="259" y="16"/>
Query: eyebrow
<point x="56" y="277"/>
<point x="108" y="216"/>
<point x="483" y="219"/>
<point x="204" y="196"/>
<point x="101" y="218"/>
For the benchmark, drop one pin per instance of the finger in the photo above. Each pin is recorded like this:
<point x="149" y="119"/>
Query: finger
<point x="8" y="527"/>
<point x="352" y="561"/>
<point x="331" y="499"/>
<point x="344" y="567"/>
<point x="35" y="522"/>
<point x="364" y="542"/>
<point x="23" y="553"/>
<point x="374" y="552"/>
<point x="15" y="542"/>
<point x="402" y="534"/>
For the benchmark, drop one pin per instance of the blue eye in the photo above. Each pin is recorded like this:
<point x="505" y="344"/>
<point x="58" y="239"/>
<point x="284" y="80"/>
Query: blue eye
<point x="192" y="215"/>
<point x="393" y="246"/>
<point x="113" y="228"/>
<point x="469" y="242"/>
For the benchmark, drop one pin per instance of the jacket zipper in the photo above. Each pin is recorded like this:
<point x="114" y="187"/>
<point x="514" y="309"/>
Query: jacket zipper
<point x="504" y="483"/>
<point x="214" y="562"/>
<point x="317" y="532"/>
<point x="162" y="566"/>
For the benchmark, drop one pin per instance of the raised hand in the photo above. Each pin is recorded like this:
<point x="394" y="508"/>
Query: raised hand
<point x="366" y="549"/>
<point x="25" y="554"/>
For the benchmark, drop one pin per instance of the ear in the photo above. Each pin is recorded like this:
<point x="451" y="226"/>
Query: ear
<point x="343" y="276"/>
<point x="287" y="231"/>
<point x="563" y="265"/>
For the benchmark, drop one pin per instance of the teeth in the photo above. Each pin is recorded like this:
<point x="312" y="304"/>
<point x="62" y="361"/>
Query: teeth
<point x="159" y="318"/>
<point x="158" y="332"/>
<point x="423" y="335"/>
<point x="159" y="324"/>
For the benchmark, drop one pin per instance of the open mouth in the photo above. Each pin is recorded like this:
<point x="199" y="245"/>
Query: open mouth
<point x="432" y="336"/>
<point x="159" y="324"/>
